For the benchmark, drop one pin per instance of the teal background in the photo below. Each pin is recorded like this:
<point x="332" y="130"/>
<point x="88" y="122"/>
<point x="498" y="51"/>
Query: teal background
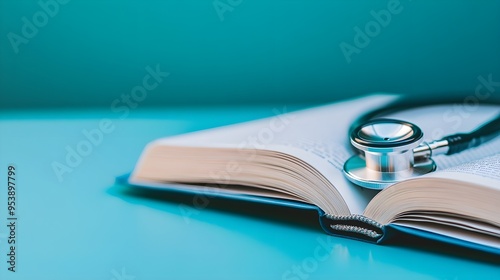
<point x="89" y="227"/>
<point x="263" y="55"/>
<point x="91" y="52"/>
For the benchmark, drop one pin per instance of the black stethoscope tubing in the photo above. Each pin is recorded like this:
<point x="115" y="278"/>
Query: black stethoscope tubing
<point x="481" y="134"/>
<point x="406" y="102"/>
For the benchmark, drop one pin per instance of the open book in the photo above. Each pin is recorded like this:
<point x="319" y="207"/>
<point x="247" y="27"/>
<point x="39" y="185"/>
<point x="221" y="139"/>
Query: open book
<point x="296" y="159"/>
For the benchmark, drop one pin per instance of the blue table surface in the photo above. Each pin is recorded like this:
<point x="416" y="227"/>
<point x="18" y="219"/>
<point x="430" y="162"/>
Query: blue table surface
<point x="85" y="226"/>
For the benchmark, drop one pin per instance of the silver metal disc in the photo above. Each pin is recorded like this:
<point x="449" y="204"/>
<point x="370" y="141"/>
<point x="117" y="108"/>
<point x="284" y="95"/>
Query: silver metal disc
<point x="386" y="135"/>
<point x="356" y="171"/>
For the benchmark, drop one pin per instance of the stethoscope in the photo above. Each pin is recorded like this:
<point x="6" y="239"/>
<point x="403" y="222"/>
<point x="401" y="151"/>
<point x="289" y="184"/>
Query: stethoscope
<point x="392" y="150"/>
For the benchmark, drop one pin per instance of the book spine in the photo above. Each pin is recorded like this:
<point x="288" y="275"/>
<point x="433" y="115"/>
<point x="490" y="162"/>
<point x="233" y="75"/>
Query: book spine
<point x="353" y="226"/>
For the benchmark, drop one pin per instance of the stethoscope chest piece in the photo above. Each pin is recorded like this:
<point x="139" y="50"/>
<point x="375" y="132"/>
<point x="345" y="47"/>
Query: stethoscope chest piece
<point x="387" y="154"/>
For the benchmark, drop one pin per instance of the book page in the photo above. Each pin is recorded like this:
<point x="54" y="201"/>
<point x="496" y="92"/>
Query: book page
<point x="475" y="165"/>
<point x="455" y="232"/>
<point x="318" y="136"/>
<point x="468" y="168"/>
<point x="442" y="120"/>
<point x="485" y="171"/>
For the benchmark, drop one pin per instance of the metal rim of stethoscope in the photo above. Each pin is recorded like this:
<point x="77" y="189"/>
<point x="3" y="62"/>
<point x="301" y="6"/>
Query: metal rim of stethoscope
<point x="366" y="170"/>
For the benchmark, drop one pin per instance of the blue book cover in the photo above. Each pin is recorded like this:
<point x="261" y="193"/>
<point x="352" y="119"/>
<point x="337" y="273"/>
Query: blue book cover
<point x="385" y="233"/>
<point x="294" y="160"/>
